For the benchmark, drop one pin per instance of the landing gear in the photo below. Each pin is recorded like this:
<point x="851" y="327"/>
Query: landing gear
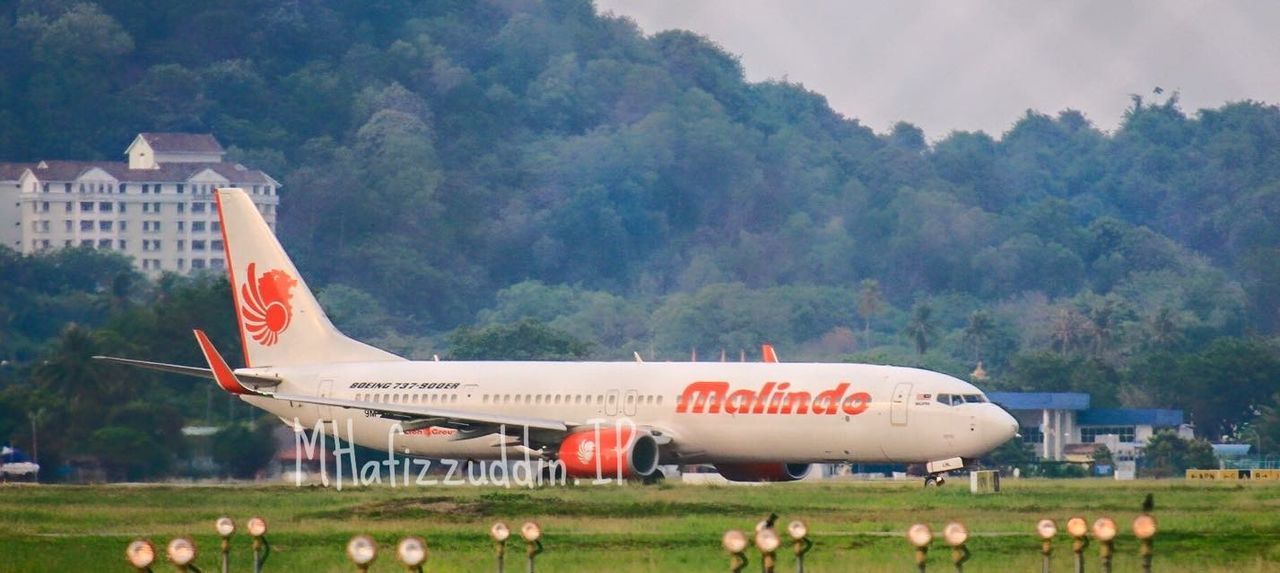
<point x="935" y="480"/>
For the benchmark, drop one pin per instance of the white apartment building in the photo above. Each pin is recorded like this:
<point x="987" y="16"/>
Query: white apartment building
<point x="158" y="207"/>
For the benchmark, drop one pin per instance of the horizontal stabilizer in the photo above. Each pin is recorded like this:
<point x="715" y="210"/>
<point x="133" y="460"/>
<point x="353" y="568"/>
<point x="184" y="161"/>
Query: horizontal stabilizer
<point x="250" y="379"/>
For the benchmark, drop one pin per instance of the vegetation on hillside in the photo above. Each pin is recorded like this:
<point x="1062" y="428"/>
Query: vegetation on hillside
<point x="538" y="165"/>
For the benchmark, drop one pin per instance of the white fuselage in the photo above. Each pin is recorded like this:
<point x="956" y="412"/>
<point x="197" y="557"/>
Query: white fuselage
<point x="733" y="412"/>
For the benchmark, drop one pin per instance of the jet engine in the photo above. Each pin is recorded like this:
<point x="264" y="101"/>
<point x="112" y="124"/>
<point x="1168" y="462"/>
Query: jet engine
<point x="763" y="471"/>
<point x="609" y="453"/>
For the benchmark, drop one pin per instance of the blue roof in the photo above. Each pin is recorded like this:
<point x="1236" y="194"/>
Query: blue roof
<point x="1130" y="417"/>
<point x="1040" y="400"/>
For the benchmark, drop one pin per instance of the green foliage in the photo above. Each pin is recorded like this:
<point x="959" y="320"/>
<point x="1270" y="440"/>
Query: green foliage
<point x="242" y="451"/>
<point x="1167" y="455"/>
<point x="523" y="340"/>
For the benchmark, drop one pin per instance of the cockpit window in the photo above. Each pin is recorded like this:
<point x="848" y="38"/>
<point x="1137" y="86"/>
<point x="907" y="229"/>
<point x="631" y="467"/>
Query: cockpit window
<point x="944" y="399"/>
<point x="974" y="398"/>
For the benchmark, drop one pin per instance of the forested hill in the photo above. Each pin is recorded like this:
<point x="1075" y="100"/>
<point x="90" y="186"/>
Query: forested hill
<point x="454" y="162"/>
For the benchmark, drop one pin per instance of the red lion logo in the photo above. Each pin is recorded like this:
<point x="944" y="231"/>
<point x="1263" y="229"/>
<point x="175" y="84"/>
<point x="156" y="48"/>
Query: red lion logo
<point x="265" y="305"/>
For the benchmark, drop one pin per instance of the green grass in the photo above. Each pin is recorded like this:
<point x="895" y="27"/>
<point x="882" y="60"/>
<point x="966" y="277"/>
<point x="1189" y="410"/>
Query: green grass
<point x="855" y="526"/>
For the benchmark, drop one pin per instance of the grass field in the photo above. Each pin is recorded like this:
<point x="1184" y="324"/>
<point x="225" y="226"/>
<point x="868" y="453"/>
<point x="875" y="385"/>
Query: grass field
<point x="855" y="526"/>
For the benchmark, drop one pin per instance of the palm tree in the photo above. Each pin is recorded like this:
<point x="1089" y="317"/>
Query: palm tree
<point x="978" y="332"/>
<point x="870" y="303"/>
<point x="921" y="328"/>
<point x="1067" y="329"/>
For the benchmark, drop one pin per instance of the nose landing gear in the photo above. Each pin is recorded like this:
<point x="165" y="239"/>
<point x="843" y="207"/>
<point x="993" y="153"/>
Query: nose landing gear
<point x="935" y="480"/>
<point x="937" y="471"/>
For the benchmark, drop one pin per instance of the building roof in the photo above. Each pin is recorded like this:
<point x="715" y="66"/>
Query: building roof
<point x="182" y="142"/>
<point x="1040" y="400"/>
<point x="72" y="170"/>
<point x="1130" y="417"/>
<point x="12" y="171"/>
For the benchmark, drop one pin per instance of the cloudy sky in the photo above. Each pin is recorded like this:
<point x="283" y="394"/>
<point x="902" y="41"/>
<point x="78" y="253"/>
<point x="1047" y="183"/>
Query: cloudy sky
<point x="979" y="65"/>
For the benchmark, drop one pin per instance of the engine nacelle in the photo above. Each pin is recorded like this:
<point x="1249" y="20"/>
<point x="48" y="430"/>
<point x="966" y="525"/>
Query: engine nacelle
<point x="763" y="471"/>
<point x="609" y="453"/>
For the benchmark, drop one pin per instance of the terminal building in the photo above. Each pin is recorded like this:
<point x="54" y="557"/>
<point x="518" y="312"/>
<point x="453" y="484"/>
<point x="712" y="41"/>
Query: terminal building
<point x="157" y="207"/>
<point x="1060" y="426"/>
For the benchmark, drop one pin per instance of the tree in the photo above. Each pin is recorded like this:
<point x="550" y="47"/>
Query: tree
<point x="524" y="340"/>
<point x="1167" y="455"/>
<point x="243" y="451"/>
<point x="921" y="328"/>
<point x="978" y="332"/>
<point x="870" y="304"/>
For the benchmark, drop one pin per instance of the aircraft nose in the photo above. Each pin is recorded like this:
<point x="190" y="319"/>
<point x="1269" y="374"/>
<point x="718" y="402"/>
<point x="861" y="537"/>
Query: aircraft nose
<point x="1003" y="426"/>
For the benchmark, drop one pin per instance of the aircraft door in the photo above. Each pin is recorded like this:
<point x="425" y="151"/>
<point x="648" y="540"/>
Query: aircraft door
<point x="629" y="403"/>
<point x="898" y="404"/>
<point x="611" y="403"/>
<point x="326" y="391"/>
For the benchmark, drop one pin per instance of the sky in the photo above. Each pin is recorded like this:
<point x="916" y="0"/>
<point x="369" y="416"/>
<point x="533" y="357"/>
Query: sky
<point x="981" y="64"/>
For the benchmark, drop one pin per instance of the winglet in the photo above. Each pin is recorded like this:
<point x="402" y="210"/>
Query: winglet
<point x="222" y="373"/>
<point x="767" y="351"/>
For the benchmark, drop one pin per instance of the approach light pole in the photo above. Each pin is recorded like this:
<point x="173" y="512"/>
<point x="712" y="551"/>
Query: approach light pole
<point x="735" y="542"/>
<point x="225" y="527"/>
<point x="956" y="534"/>
<point x="799" y="533"/>
<point x="1078" y="529"/>
<point x="500" y="532"/>
<point x="1046" y="529"/>
<point x="920" y="536"/>
<point x="261" y="549"/>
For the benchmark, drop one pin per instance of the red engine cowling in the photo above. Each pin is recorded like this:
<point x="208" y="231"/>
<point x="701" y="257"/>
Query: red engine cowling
<point x="609" y="453"/>
<point x="763" y="471"/>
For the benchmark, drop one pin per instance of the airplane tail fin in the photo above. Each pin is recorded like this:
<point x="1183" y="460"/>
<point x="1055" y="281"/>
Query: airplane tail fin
<point x="281" y="323"/>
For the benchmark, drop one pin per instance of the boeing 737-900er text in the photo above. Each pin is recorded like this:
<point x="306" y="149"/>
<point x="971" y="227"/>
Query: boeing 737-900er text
<point x="765" y="421"/>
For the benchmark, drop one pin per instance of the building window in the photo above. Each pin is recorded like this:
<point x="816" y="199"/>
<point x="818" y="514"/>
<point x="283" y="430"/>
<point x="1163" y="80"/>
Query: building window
<point x="104" y="243"/>
<point x="104" y="206"/>
<point x="182" y="208"/>
<point x="179" y="188"/>
<point x="45" y="187"/>
<point x="215" y="245"/>
<point x="124" y="225"/>
<point x="86" y="243"/>
<point x="122" y="244"/>
<point x="182" y="225"/>
<point x="123" y="188"/>
<point x="86" y="225"/>
<point x="146" y="188"/>
<point x="86" y="206"/>
<point x="215" y="263"/>
<point x="44" y="207"/>
<point x="68" y="188"/>
<point x="197" y="245"/>
<point x="68" y="206"/>
<point x="104" y="225"/>
<point x="44" y="226"/>
<point x="197" y="226"/>
<point x="197" y="207"/>
<point x="66" y="223"/>
<point x="197" y="263"/>
<point x="1089" y="434"/>
<point x="182" y="264"/>
<point x="122" y="206"/>
<point x="215" y="226"/>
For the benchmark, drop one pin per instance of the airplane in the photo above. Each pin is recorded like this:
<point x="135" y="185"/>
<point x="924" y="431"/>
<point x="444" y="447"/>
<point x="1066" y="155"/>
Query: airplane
<point x="765" y="421"/>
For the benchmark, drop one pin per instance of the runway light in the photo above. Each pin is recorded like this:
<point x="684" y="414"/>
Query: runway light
<point x="801" y="545"/>
<point x="1077" y="527"/>
<point x="530" y="531"/>
<point x="224" y="526"/>
<point x="955" y="534"/>
<point x="412" y="551"/>
<point x="920" y="535"/>
<point x="1104" y="529"/>
<point x="181" y="551"/>
<point x="734" y="541"/>
<point x="499" y="532"/>
<point x="140" y="554"/>
<point x="532" y="535"/>
<point x="362" y="550"/>
<point x="767" y="541"/>
<point x="257" y="526"/>
<point x="1144" y="527"/>
<point x="1046" y="529"/>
